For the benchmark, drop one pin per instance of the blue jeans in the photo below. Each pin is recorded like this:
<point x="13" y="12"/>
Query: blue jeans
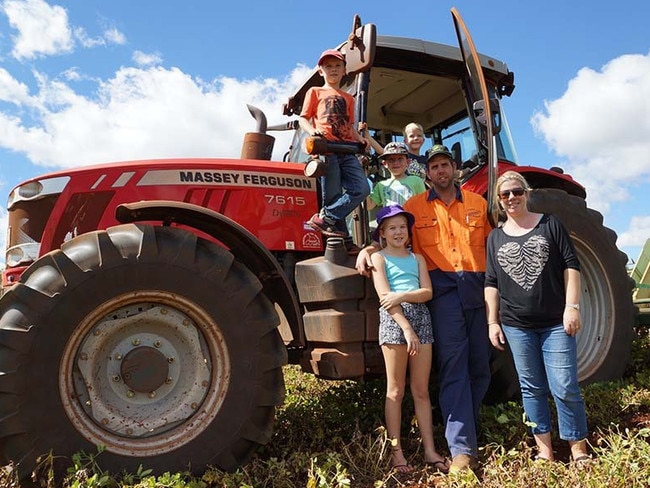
<point x="462" y="348"/>
<point x="344" y="172"/>
<point x="546" y="360"/>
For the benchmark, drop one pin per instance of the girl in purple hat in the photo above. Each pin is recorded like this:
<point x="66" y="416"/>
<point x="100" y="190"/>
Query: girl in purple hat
<point x="405" y="334"/>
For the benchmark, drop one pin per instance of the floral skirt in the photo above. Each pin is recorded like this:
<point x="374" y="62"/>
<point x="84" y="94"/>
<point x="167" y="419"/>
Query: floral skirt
<point x="418" y="316"/>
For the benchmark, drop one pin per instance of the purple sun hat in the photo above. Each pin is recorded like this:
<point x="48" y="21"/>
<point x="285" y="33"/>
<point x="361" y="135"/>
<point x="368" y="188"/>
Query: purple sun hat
<point x="392" y="211"/>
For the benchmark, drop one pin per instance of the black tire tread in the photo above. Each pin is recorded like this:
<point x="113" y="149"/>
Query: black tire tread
<point x="124" y="253"/>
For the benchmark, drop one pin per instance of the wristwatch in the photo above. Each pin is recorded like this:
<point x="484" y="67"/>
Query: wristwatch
<point x="573" y="305"/>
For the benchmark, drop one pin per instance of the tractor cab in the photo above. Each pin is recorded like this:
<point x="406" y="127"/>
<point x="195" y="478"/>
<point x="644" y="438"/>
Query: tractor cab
<point x="412" y="80"/>
<point x="406" y="80"/>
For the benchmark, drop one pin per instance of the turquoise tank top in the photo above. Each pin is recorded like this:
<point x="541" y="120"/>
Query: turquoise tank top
<point x="402" y="272"/>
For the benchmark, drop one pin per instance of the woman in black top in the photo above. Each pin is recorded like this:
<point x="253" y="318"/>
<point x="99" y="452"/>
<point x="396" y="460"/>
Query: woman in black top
<point x="532" y="291"/>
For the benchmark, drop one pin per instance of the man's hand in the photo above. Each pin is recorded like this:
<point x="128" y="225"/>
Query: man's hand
<point x="364" y="263"/>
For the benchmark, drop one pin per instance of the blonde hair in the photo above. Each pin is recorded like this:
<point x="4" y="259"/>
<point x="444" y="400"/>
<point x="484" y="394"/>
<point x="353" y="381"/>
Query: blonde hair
<point x="509" y="176"/>
<point x="412" y="125"/>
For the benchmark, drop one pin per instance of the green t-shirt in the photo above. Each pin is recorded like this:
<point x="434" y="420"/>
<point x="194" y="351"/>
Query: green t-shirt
<point x="393" y="191"/>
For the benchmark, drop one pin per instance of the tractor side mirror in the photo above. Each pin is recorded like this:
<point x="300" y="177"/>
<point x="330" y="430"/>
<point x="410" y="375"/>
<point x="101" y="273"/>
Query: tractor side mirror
<point x="495" y="109"/>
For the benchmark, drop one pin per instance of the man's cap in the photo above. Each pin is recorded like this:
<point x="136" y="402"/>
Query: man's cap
<point x="330" y="52"/>
<point x="392" y="211"/>
<point x="438" y="149"/>
<point x="394" y="148"/>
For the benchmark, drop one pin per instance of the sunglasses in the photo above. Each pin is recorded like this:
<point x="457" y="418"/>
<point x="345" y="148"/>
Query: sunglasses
<point x="518" y="192"/>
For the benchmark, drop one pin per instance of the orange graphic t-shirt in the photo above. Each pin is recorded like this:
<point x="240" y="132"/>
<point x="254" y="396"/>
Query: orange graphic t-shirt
<point x="331" y="111"/>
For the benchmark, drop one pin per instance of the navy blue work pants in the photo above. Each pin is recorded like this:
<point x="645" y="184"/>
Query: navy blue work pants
<point x="462" y="349"/>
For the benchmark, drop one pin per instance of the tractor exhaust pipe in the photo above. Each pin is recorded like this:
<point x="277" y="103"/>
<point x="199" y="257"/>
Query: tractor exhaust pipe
<point x="257" y="145"/>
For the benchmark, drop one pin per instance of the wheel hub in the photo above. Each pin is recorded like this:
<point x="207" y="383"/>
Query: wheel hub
<point x="144" y="369"/>
<point x="144" y="372"/>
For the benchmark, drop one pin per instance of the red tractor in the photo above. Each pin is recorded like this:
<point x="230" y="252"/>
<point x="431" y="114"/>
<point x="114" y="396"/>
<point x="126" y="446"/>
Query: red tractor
<point x="149" y="306"/>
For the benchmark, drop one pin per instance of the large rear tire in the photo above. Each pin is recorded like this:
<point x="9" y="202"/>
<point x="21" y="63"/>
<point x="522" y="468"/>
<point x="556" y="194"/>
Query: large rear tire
<point x="147" y="340"/>
<point x="606" y="307"/>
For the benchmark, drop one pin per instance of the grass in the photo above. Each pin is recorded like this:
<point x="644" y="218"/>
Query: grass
<point x="329" y="434"/>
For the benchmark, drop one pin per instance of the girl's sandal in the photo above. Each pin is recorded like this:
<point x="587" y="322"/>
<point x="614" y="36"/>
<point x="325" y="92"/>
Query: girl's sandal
<point x="541" y="459"/>
<point x="400" y="467"/>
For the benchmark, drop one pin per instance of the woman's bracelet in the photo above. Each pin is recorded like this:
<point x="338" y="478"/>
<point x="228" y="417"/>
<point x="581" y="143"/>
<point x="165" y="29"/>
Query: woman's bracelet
<point x="494" y="323"/>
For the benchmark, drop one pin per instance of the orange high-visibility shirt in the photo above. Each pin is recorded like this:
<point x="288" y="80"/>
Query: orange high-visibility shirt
<point x="451" y="237"/>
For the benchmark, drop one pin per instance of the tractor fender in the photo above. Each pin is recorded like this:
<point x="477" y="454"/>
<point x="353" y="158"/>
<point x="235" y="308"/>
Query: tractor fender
<point x="537" y="178"/>
<point x="246" y="248"/>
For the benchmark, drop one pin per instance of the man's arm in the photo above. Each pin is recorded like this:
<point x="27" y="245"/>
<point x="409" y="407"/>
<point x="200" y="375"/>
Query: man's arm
<point x="364" y="260"/>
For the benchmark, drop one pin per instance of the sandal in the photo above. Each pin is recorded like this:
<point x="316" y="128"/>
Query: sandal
<point x="399" y="466"/>
<point x="441" y="466"/>
<point x="542" y="459"/>
<point x="582" y="461"/>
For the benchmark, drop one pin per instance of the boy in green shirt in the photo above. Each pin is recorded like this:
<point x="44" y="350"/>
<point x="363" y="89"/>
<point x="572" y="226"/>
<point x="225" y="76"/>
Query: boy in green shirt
<point x="400" y="186"/>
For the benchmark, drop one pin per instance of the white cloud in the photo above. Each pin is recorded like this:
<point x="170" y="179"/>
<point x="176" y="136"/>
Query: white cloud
<point x="601" y="126"/>
<point x="114" y="36"/>
<point x="42" y="29"/>
<point x="110" y="36"/>
<point x="637" y="233"/>
<point x="142" y="113"/>
<point x="144" y="59"/>
<point x="86" y="41"/>
<point x="12" y="90"/>
<point x="72" y="74"/>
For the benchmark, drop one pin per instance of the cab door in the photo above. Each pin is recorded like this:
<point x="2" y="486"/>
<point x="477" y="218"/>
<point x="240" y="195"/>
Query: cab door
<point x="484" y="110"/>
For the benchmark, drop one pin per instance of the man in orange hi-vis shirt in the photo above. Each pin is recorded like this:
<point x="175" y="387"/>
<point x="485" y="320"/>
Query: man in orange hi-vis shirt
<point x="450" y="231"/>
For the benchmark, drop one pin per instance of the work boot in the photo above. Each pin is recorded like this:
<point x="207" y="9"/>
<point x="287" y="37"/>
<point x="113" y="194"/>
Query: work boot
<point x="463" y="462"/>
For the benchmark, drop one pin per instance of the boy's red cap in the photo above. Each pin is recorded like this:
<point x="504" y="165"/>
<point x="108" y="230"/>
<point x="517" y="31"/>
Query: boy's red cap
<point x="331" y="52"/>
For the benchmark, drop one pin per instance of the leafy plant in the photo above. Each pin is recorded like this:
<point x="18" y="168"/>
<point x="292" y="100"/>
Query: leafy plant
<point x="86" y="473"/>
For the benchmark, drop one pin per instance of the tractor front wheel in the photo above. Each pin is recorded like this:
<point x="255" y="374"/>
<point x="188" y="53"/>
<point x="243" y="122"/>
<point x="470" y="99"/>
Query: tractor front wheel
<point x="149" y="341"/>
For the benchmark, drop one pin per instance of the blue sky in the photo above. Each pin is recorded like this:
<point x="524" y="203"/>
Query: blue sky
<point x="84" y="81"/>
